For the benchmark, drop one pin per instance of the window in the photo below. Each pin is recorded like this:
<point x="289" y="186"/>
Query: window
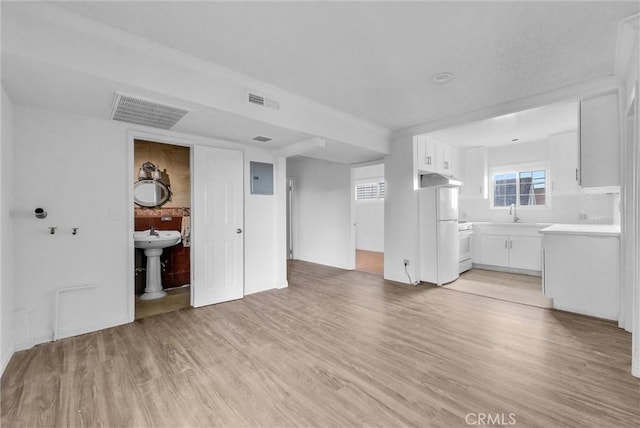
<point x="370" y="191"/>
<point x="523" y="188"/>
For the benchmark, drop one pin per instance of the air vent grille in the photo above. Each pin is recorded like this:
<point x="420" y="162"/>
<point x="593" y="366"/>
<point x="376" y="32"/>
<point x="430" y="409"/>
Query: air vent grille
<point x="263" y="101"/>
<point x="261" y="139"/>
<point x="141" y="111"/>
<point x="256" y="99"/>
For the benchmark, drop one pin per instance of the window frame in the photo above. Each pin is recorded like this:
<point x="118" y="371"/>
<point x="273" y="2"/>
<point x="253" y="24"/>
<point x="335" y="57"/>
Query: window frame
<point x="517" y="169"/>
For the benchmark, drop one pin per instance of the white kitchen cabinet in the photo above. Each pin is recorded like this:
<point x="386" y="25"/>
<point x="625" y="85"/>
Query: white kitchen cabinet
<point x="599" y="141"/>
<point x="456" y="170"/>
<point x="473" y="173"/>
<point x="515" y="247"/>
<point x="444" y="159"/>
<point x="435" y="157"/>
<point x="581" y="273"/>
<point x="492" y="250"/>
<point x="427" y="154"/>
<point x="564" y="163"/>
<point x="525" y="252"/>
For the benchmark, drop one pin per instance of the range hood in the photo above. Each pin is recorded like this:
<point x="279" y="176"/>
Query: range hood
<point x="438" y="180"/>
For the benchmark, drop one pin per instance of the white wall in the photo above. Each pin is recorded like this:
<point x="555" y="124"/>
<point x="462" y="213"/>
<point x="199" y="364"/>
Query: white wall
<point x="567" y="202"/>
<point x="370" y="225"/>
<point x="400" y="212"/>
<point x="260" y="255"/>
<point x="321" y="212"/>
<point x="630" y="183"/>
<point x="6" y="232"/>
<point x="369" y="214"/>
<point x="77" y="168"/>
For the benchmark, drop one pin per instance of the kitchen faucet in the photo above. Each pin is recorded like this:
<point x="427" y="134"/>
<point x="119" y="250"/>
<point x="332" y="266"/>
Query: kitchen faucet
<point x="514" y="209"/>
<point x="153" y="231"/>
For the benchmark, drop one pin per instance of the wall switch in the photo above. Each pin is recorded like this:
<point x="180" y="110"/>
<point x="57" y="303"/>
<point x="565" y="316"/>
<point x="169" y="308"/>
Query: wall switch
<point x="583" y="216"/>
<point x="406" y="262"/>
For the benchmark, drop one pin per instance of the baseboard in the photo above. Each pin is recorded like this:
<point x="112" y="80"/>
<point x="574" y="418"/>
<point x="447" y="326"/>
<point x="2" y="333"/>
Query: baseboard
<point x="257" y="290"/>
<point x="90" y="328"/>
<point x="508" y="269"/>
<point x="283" y="284"/>
<point x="69" y="332"/>
<point x="397" y="277"/>
<point x="6" y="358"/>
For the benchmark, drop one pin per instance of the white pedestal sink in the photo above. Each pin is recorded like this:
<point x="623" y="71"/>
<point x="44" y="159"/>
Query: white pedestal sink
<point x="153" y="242"/>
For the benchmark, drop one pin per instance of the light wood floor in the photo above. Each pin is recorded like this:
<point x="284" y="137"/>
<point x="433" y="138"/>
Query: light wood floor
<point x="370" y="261"/>
<point x="335" y="349"/>
<point x="511" y="287"/>
<point x="176" y="299"/>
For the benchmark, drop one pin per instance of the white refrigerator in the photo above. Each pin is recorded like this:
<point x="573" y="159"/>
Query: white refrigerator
<point x="439" y="241"/>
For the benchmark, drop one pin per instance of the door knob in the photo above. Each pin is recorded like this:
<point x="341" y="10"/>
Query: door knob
<point x="238" y="230"/>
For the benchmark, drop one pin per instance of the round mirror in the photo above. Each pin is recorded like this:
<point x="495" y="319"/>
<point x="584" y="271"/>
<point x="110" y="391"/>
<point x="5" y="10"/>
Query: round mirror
<point x="151" y="193"/>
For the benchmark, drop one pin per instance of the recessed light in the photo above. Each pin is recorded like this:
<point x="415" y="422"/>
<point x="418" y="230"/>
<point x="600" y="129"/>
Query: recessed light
<point x="441" y="78"/>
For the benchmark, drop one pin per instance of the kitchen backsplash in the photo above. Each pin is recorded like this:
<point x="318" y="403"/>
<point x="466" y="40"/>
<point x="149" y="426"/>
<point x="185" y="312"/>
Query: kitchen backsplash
<point x="581" y="208"/>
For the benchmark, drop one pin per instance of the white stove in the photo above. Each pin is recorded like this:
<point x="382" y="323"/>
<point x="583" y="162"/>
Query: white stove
<point x="465" y="230"/>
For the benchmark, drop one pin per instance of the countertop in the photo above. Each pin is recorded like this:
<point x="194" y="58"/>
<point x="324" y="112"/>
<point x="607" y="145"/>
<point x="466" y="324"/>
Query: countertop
<point x="583" y="229"/>
<point x="509" y="224"/>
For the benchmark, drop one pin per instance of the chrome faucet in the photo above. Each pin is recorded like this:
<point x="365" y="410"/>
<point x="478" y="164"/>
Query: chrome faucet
<point x="153" y="231"/>
<point x="514" y="210"/>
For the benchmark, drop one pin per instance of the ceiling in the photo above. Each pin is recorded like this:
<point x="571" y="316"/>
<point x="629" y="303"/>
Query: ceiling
<point x="375" y="60"/>
<point x="372" y="60"/>
<point x="526" y="126"/>
<point x="47" y="86"/>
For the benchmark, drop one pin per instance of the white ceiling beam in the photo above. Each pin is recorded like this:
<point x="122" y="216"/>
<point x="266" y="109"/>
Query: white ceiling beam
<point x="51" y="35"/>
<point x="302" y="147"/>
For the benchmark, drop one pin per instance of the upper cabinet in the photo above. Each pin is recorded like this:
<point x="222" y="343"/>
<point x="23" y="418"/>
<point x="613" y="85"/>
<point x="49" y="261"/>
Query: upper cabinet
<point x="435" y="156"/>
<point x="599" y="141"/>
<point x="474" y="173"/>
<point x="563" y="159"/>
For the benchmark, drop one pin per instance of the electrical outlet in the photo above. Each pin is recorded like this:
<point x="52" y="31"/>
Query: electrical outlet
<point x="406" y="262"/>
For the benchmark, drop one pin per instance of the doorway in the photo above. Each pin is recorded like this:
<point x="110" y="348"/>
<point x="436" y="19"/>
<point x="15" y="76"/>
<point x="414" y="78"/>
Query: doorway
<point x="369" y="193"/>
<point x="162" y="203"/>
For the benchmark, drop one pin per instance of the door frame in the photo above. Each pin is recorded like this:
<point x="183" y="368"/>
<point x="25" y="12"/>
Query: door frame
<point x="354" y="208"/>
<point x="289" y="212"/>
<point x="175" y="140"/>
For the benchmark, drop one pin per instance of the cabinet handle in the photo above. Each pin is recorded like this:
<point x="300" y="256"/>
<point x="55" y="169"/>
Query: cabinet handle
<point x="510" y="244"/>
<point x="428" y="160"/>
<point x="577" y="174"/>
<point x="446" y="165"/>
<point x="505" y="243"/>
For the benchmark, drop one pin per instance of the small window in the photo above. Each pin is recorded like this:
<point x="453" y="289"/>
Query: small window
<point x="523" y="188"/>
<point x="370" y="191"/>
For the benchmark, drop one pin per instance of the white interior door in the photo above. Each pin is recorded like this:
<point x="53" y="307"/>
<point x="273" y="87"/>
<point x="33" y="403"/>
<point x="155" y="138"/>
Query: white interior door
<point x="218" y="217"/>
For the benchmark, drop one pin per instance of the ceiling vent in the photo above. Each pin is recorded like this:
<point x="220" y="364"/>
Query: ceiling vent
<point x="256" y="99"/>
<point x="261" y="139"/>
<point x="142" y="111"/>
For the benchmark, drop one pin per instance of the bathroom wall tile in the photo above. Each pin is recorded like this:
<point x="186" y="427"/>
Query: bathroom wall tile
<point x="159" y="212"/>
<point x="181" y="263"/>
<point x="181" y="279"/>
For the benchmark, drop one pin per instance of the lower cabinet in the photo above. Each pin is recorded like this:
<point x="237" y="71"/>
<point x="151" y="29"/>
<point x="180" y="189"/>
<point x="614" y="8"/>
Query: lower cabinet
<point x="493" y="250"/>
<point x="581" y="274"/>
<point x="525" y="252"/>
<point x="513" y="249"/>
